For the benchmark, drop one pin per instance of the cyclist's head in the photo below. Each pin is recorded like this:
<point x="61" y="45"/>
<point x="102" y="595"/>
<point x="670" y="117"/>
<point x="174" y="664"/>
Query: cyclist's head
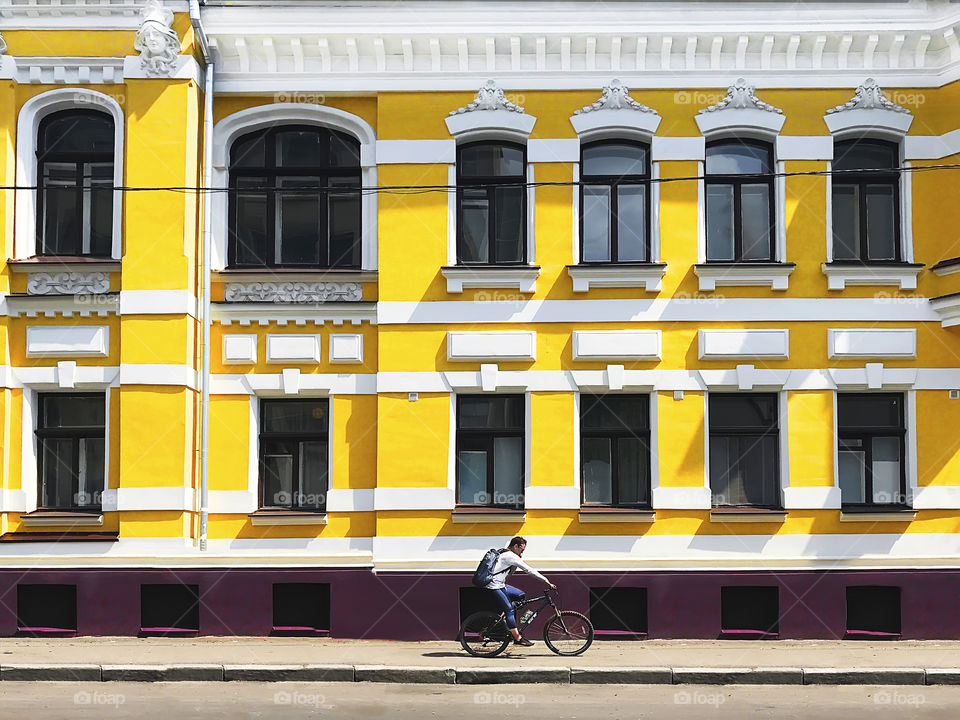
<point x="517" y="545"/>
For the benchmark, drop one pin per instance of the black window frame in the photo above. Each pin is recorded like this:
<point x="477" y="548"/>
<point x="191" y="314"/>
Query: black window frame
<point x="864" y="435"/>
<point x="717" y="430"/>
<point x="737" y="181"/>
<point x="75" y="434"/>
<point x="489" y="435"/>
<point x="293" y="437"/>
<point x="78" y="160"/>
<point x="861" y="179"/>
<point x="615" y="435"/>
<point x="614" y="182"/>
<point x="491" y="183"/>
<point x="270" y="173"/>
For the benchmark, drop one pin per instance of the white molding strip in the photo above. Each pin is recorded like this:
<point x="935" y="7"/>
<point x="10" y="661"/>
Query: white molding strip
<point x="149" y="498"/>
<point x="804" y="147"/>
<point x="350" y="500"/>
<point x="692" y="552"/>
<point x="552" y="497"/>
<point x="707" y="309"/>
<point x="143" y="374"/>
<point x="695" y="497"/>
<point x="677" y="148"/>
<point x="413" y="498"/>
<point x="551" y="150"/>
<point x="308" y="384"/>
<point x="811" y="498"/>
<point x="158" y="302"/>
<point x="416" y="152"/>
<point x="936" y="497"/>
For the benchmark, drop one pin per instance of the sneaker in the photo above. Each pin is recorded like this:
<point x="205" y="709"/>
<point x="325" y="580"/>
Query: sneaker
<point x="524" y="642"/>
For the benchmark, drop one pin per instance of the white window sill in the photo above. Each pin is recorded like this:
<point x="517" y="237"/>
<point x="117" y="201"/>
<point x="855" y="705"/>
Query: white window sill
<point x="268" y="518"/>
<point x="872" y="517"/>
<point x="488" y="516"/>
<point x="774" y="275"/>
<point x="615" y="515"/>
<point x="649" y="276"/>
<point x="62" y="519"/>
<point x="522" y="278"/>
<point x="948" y="308"/>
<point x="841" y="274"/>
<point x="772" y="516"/>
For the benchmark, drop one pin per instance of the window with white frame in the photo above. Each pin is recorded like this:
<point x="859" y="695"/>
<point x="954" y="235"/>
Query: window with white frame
<point x="614" y="202"/>
<point x="71" y="444"/>
<point x="491" y="203"/>
<point x="866" y="201"/>
<point x="75" y="171"/>
<point x="744" y="450"/>
<point x="294" y="447"/>
<point x="490" y="451"/>
<point x="871" y="444"/>
<point x="740" y="206"/>
<point x="615" y="450"/>
<point x="295" y="199"/>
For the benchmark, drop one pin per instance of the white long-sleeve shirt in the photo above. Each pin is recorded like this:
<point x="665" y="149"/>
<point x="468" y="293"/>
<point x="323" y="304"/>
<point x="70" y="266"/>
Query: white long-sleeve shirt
<point x="507" y="564"/>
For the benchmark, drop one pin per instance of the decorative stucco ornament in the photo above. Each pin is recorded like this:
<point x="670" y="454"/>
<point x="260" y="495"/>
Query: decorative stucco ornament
<point x="294" y="292"/>
<point x="157" y="41"/>
<point x="616" y="96"/>
<point x="869" y="96"/>
<point x="68" y="283"/>
<point x="3" y="45"/>
<point x="489" y="97"/>
<point x="741" y="96"/>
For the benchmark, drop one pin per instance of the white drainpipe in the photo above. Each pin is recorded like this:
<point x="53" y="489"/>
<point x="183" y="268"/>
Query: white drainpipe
<point x="205" y="271"/>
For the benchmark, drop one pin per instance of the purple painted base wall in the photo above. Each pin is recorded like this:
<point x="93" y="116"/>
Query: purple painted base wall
<point x="422" y="606"/>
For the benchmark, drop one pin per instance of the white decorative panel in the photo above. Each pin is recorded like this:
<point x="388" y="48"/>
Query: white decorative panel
<point x="76" y="340"/>
<point x="346" y="348"/>
<point x="721" y="344"/>
<point x="484" y="345"/>
<point x="239" y="348"/>
<point x="872" y="342"/>
<point x="293" y="348"/>
<point x="616" y="345"/>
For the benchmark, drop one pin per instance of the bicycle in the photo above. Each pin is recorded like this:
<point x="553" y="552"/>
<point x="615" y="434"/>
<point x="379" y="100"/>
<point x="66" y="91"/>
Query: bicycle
<point x="485" y="633"/>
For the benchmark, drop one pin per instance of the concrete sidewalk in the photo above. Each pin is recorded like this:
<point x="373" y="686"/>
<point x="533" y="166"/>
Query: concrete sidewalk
<point x="330" y="660"/>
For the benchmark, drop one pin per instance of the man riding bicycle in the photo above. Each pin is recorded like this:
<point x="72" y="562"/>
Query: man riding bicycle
<point x="508" y="563"/>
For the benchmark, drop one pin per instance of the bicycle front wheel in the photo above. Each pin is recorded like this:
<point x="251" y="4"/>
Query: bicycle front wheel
<point x="484" y="634"/>
<point x="570" y="633"/>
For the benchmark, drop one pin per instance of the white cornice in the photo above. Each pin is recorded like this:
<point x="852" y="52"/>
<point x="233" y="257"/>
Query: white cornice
<point x="455" y="46"/>
<point x="78" y="14"/>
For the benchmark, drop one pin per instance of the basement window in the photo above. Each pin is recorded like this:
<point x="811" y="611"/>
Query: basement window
<point x="749" y="612"/>
<point x="46" y="609"/>
<point x="619" y="613"/>
<point x="301" y="609"/>
<point x="169" y="609"/>
<point x="873" y="613"/>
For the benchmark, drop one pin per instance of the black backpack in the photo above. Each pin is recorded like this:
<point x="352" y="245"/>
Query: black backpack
<point x="484" y="573"/>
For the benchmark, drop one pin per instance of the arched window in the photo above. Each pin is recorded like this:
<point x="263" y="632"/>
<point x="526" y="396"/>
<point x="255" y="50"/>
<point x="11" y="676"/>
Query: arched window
<point x="295" y="199"/>
<point x="614" y="202"/>
<point x="739" y="187"/>
<point x="491" y="203"/>
<point x="75" y="156"/>
<point x="866" y="201"/>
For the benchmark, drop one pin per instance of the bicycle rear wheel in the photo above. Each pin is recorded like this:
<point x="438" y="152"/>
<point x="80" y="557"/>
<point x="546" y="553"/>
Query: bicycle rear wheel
<point x="569" y="634"/>
<point x="484" y="634"/>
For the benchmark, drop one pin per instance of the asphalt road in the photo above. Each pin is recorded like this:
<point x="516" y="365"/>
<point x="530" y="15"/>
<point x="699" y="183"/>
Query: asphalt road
<point x="184" y="701"/>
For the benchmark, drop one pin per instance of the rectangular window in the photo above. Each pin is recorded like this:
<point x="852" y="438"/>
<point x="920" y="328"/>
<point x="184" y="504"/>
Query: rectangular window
<point x="491" y="204"/>
<point x="744" y="450"/>
<point x="70" y="449"/>
<point x="865" y="201"/>
<point x="739" y="196"/>
<point x="615" y="450"/>
<point x="294" y="445"/>
<point x="871" y="447"/>
<point x="490" y="454"/>
<point x="614" y="202"/>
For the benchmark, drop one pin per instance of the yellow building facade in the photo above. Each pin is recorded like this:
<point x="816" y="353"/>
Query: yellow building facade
<point x="676" y="305"/>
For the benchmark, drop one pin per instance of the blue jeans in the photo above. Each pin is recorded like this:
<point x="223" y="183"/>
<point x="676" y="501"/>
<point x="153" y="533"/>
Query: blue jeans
<point x="506" y="597"/>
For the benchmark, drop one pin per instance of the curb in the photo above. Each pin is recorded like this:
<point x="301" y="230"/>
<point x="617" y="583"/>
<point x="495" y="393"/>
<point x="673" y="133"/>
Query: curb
<point x="482" y="675"/>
